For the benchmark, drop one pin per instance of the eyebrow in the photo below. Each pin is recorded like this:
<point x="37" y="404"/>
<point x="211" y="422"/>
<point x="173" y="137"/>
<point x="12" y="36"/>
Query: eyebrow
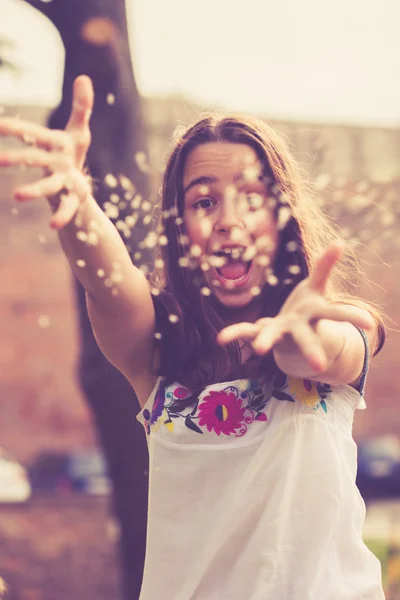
<point x="205" y="180"/>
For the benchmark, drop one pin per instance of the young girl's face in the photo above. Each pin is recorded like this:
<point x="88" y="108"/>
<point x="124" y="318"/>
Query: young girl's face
<point x="229" y="221"/>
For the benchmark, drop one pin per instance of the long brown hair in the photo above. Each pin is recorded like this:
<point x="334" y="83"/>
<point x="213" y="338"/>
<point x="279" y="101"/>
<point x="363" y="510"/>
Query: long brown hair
<point x="189" y="353"/>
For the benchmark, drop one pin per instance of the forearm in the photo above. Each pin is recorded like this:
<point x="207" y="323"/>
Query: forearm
<point x="96" y="252"/>
<point x="343" y="348"/>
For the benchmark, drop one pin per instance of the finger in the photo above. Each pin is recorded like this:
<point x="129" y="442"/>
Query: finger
<point x="246" y="331"/>
<point x="267" y="338"/>
<point x="352" y="314"/>
<point x="48" y="186"/>
<point x="34" y="157"/>
<point x="67" y="208"/>
<point x="82" y="103"/>
<point x="78" y="124"/>
<point x="325" y="264"/>
<point x="32" y="133"/>
<point x="310" y="346"/>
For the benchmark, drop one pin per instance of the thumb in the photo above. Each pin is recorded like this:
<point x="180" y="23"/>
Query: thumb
<point x="82" y="103"/>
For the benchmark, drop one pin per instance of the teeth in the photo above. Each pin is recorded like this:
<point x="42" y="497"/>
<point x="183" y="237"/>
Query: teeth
<point x="234" y="253"/>
<point x="217" y="261"/>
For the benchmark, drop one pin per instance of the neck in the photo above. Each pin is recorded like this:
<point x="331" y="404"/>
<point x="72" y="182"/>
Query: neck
<point x="249" y="313"/>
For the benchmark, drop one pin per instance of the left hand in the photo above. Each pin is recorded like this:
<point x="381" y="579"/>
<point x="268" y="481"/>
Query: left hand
<point x="294" y="328"/>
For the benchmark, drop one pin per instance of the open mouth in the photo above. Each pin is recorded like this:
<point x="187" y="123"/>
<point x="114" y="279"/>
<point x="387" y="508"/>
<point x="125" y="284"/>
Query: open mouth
<point x="231" y="267"/>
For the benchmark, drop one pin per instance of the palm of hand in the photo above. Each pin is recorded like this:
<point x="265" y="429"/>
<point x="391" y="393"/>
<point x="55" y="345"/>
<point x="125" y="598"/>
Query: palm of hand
<point x="61" y="154"/>
<point x="294" y="328"/>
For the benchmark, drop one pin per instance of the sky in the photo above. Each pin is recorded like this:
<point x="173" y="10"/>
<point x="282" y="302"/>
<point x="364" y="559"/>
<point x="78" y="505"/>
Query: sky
<point x="306" y="60"/>
<point x="302" y="59"/>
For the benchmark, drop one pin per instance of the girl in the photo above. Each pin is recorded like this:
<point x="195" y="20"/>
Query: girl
<point x="246" y="354"/>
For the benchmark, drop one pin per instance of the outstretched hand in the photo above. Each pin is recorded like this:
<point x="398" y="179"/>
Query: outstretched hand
<point x="295" y="323"/>
<point x="61" y="154"/>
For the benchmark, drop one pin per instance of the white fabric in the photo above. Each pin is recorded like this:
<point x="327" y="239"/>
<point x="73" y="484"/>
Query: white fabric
<point x="268" y="512"/>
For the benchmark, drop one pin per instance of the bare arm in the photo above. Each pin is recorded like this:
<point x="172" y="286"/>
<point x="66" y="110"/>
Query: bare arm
<point x="343" y="347"/>
<point x="119" y="300"/>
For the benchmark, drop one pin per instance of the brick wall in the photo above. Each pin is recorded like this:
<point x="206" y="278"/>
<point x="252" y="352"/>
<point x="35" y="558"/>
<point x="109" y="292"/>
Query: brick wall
<point x="40" y="403"/>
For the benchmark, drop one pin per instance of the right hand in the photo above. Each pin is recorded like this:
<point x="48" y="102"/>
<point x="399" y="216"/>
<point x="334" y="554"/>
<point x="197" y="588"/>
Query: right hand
<point x="61" y="154"/>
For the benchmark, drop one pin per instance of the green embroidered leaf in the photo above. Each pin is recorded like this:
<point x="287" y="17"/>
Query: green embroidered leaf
<point x="177" y="406"/>
<point x="191" y="425"/>
<point x="280" y="380"/>
<point x="279" y="395"/>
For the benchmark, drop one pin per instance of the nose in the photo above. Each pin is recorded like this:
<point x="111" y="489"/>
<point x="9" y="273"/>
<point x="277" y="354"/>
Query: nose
<point x="228" y="215"/>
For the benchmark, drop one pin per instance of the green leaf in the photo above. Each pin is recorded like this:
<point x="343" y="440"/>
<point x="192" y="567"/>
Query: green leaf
<point x="191" y="425"/>
<point x="279" y="395"/>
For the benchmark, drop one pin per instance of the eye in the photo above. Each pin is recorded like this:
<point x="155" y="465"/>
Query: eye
<point x="203" y="203"/>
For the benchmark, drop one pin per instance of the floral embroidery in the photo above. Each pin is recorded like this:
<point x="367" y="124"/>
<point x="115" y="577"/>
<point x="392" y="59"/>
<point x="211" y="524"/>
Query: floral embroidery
<point x="221" y="412"/>
<point x="310" y="393"/>
<point x="229" y="411"/>
<point x="305" y="391"/>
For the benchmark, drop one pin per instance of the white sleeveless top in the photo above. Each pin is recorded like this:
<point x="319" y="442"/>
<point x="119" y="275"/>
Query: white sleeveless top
<point x="252" y="494"/>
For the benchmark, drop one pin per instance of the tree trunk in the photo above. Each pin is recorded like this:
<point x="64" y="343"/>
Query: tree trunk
<point x="95" y="36"/>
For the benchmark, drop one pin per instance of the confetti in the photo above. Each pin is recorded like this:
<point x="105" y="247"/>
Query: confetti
<point x="44" y="321"/>
<point x="272" y="279"/>
<point x="255" y="290"/>
<point x="111" y="211"/>
<point x="135" y="204"/>
<point x="147" y="220"/>
<point x="141" y="161"/>
<point x="82" y="236"/>
<point x="284" y="216"/>
<point x="131" y="220"/>
<point x="126" y="183"/>
<point x="111" y="181"/>
<point x="292" y="246"/>
<point x="294" y="269"/>
<point x="195" y="250"/>
<point x="205" y="291"/>
<point x="92" y="238"/>
<point x="173" y="318"/>
<point x="158" y="335"/>
<point x="263" y="260"/>
<point x="146" y="206"/>
<point x="110" y="99"/>
<point x="81" y="263"/>
<point x="100" y="273"/>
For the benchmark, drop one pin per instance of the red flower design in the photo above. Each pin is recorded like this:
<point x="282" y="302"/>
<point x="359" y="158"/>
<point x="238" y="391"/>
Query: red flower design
<point x="221" y="412"/>
<point x="180" y="392"/>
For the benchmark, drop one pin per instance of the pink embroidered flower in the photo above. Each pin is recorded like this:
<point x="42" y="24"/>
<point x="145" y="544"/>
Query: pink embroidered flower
<point x="221" y="412"/>
<point x="180" y="393"/>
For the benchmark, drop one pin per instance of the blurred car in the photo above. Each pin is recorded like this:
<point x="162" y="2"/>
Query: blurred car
<point x="63" y="472"/>
<point x="379" y="467"/>
<point x="14" y="482"/>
